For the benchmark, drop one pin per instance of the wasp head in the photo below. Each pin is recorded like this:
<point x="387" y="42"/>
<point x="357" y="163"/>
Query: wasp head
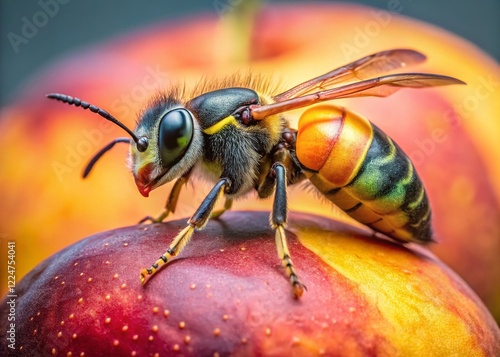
<point x="173" y="144"/>
<point x="165" y="145"/>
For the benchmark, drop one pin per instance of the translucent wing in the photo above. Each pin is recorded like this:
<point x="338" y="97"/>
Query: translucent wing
<point x="380" y="87"/>
<point x="367" y="67"/>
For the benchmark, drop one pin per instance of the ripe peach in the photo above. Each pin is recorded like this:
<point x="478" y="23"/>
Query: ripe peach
<point x="226" y="294"/>
<point x="450" y="133"/>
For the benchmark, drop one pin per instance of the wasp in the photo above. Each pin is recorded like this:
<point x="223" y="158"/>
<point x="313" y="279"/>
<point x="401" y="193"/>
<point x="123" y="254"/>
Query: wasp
<point x="237" y="134"/>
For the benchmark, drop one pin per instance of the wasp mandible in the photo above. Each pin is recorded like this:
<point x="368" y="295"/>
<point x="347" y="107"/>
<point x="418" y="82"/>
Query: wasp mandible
<point x="234" y="132"/>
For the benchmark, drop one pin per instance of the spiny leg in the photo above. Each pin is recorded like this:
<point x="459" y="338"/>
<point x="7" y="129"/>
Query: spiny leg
<point x="286" y="261"/>
<point x="278" y="222"/>
<point x="172" y="200"/>
<point x="197" y="221"/>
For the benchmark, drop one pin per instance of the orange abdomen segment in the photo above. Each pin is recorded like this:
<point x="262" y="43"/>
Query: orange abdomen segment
<point x="318" y="132"/>
<point x="333" y="142"/>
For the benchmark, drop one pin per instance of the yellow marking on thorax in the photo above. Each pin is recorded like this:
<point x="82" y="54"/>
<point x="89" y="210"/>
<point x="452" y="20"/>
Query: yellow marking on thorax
<point x="230" y="120"/>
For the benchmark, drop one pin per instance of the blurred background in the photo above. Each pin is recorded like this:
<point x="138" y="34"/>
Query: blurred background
<point x="81" y="23"/>
<point x="117" y="54"/>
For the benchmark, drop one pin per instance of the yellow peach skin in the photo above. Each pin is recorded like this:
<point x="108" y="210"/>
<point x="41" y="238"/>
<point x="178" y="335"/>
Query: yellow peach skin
<point x="450" y="133"/>
<point x="395" y="282"/>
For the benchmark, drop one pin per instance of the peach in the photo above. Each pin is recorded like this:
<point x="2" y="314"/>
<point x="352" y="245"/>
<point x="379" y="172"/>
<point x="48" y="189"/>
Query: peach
<point x="450" y="133"/>
<point x="227" y="295"/>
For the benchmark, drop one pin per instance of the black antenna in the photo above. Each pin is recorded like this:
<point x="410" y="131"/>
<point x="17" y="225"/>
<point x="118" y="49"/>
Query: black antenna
<point x="101" y="152"/>
<point x="142" y="143"/>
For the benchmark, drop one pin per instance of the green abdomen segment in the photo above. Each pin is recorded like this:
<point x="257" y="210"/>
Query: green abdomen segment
<point x="384" y="191"/>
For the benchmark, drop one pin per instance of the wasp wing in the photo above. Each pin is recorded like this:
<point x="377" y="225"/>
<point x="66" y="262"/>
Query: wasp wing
<point x="380" y="87"/>
<point x="364" y="68"/>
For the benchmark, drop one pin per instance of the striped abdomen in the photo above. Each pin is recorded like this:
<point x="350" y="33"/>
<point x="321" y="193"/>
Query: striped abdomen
<point x="360" y="169"/>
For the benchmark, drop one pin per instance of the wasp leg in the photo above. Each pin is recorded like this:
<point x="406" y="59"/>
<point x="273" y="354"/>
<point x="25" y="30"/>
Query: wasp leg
<point x="278" y="222"/>
<point x="172" y="200"/>
<point x="227" y="206"/>
<point x="197" y="221"/>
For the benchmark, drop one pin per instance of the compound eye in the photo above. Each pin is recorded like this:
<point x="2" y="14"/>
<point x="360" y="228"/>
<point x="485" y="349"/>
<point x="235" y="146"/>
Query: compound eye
<point x="174" y="136"/>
